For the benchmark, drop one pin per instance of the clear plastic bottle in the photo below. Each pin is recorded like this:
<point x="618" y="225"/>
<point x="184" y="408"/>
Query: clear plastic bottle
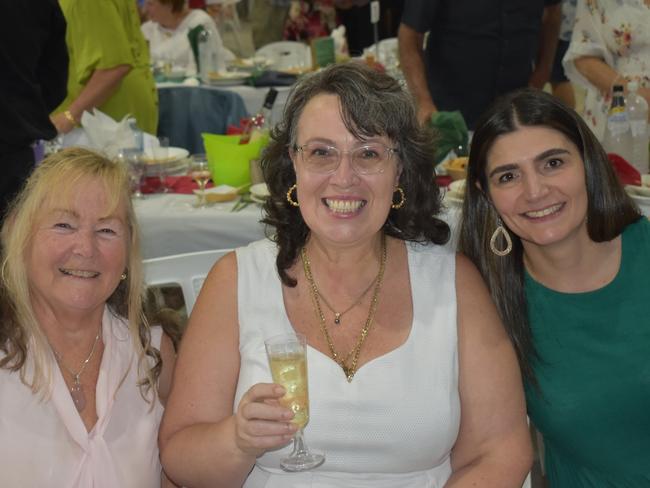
<point x="618" y="135"/>
<point x="637" y="108"/>
<point x="207" y="55"/>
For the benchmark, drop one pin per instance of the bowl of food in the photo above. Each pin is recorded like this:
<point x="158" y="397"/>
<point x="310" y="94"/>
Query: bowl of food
<point x="456" y="168"/>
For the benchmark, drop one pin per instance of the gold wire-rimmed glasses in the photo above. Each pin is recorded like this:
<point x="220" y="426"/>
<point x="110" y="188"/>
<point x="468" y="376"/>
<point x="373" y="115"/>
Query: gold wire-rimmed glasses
<point x="368" y="159"/>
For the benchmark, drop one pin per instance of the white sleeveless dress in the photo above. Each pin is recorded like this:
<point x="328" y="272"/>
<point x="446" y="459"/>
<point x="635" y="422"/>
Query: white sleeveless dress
<point x="395" y="424"/>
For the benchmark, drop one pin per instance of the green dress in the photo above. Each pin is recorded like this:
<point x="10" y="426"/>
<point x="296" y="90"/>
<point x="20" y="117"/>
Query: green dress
<point x="102" y="34"/>
<point x="593" y="407"/>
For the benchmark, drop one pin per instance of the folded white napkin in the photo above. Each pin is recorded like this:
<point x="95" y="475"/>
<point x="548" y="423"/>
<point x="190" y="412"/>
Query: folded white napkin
<point x="102" y="133"/>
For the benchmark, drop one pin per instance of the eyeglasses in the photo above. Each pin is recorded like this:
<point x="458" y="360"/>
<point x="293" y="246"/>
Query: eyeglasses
<point x="369" y="159"/>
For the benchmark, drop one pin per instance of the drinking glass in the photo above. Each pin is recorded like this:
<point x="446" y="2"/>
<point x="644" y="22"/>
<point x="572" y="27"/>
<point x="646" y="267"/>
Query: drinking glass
<point x="288" y="361"/>
<point x="200" y="172"/>
<point x="161" y="157"/>
<point x="134" y="162"/>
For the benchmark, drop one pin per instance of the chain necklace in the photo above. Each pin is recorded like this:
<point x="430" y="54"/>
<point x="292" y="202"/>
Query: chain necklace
<point x="76" y="390"/>
<point x="349" y="362"/>
<point x="338" y="315"/>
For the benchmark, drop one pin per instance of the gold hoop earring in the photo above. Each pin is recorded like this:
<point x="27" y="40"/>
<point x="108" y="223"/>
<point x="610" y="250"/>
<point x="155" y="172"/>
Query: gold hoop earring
<point x="291" y="201"/>
<point x="500" y="230"/>
<point x="123" y="276"/>
<point x="402" y="201"/>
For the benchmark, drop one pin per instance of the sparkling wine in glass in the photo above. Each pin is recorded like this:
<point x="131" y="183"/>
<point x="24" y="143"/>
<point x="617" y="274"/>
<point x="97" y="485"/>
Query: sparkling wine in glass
<point x="288" y="362"/>
<point x="200" y="172"/>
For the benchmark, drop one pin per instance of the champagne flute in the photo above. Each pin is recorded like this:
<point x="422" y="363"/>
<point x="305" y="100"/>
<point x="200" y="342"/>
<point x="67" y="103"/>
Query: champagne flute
<point x="287" y="354"/>
<point x="200" y="172"/>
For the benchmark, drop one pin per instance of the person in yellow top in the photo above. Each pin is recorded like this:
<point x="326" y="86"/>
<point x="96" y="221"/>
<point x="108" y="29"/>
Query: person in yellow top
<point x="109" y="64"/>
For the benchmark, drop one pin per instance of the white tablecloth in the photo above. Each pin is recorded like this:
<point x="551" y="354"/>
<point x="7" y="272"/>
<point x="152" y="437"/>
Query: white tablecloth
<point x="170" y="225"/>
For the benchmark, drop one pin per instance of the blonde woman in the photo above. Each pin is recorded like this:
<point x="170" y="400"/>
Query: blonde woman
<point x="81" y="373"/>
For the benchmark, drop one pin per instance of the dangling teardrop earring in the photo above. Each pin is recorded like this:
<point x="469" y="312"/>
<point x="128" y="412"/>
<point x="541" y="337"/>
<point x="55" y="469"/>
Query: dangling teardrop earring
<point x="495" y="235"/>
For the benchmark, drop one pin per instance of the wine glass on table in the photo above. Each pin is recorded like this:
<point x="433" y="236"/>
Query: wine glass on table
<point x="133" y="160"/>
<point x="287" y="355"/>
<point x="200" y="172"/>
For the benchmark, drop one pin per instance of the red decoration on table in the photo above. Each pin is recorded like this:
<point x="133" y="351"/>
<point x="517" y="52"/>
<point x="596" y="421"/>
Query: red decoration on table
<point x="627" y="174"/>
<point x="177" y="184"/>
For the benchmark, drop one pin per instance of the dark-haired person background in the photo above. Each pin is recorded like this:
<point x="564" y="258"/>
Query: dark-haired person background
<point x="34" y="65"/>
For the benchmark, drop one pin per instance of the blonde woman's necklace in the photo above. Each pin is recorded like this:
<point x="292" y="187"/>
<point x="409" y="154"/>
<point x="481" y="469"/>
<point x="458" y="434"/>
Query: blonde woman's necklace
<point x="76" y="390"/>
<point x="348" y="363"/>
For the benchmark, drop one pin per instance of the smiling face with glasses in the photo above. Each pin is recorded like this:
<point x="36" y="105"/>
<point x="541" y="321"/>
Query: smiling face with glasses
<point x="345" y="185"/>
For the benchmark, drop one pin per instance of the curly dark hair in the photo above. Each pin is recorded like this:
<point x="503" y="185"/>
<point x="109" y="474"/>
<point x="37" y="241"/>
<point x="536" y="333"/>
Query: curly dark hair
<point x="372" y="104"/>
<point x="609" y="209"/>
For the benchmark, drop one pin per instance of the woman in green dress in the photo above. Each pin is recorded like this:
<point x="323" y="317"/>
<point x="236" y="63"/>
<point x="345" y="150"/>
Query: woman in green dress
<point x="109" y="65"/>
<point x="566" y="255"/>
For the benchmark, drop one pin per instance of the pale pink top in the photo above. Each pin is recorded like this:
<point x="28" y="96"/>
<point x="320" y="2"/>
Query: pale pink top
<point x="44" y="443"/>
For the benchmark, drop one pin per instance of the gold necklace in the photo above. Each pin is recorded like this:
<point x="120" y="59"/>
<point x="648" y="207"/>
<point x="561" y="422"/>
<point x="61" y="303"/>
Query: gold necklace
<point x="76" y="390"/>
<point x="338" y="315"/>
<point x="351" y="368"/>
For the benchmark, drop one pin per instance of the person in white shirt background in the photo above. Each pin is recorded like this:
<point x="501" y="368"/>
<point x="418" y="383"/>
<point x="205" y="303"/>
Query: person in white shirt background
<point x="167" y="30"/>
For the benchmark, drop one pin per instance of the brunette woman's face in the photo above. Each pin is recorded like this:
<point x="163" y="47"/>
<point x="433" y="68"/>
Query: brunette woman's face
<point x="536" y="181"/>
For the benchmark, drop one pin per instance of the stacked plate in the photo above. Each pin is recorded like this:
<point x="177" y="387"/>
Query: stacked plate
<point x="641" y="195"/>
<point x="175" y="161"/>
<point x="259" y="193"/>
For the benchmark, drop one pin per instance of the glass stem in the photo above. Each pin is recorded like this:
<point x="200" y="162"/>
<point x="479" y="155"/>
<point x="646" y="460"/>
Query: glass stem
<point x="299" y="444"/>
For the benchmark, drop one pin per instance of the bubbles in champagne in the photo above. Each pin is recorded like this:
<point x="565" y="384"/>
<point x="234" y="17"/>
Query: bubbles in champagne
<point x="290" y="371"/>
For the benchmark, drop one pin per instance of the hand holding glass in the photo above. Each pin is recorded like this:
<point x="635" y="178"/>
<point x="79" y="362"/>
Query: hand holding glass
<point x="288" y="361"/>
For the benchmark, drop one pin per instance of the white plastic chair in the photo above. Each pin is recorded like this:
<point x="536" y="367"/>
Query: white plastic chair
<point x="286" y="54"/>
<point x="187" y="270"/>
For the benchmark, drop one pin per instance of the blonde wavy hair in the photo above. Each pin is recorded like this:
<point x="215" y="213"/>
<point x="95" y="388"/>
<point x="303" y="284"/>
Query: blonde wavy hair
<point x="21" y="338"/>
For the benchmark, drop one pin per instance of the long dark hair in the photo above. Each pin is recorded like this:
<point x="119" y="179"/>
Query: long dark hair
<point x="609" y="209"/>
<point x="372" y="103"/>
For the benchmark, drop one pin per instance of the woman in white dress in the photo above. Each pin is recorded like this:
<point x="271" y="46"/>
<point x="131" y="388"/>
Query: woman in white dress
<point x="413" y="381"/>
<point x="610" y="45"/>
<point x="170" y="22"/>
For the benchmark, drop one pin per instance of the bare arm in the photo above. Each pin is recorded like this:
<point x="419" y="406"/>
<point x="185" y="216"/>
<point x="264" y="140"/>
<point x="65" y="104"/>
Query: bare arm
<point x="168" y="357"/>
<point x="548" y="36"/>
<point x="202" y="442"/>
<point x="493" y="448"/>
<point x="101" y="85"/>
<point x="411" y="56"/>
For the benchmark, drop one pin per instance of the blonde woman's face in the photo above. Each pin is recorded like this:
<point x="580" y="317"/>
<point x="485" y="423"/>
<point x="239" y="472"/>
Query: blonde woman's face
<point x="78" y="252"/>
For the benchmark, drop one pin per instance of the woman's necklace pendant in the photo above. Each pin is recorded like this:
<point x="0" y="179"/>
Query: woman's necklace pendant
<point x="337" y="318"/>
<point x="78" y="396"/>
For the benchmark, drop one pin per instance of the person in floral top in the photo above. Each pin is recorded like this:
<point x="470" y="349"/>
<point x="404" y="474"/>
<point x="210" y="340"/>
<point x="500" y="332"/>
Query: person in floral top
<point x="610" y="45"/>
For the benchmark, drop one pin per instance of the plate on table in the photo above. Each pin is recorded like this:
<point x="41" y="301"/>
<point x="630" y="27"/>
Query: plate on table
<point x="251" y="64"/>
<point x="259" y="193"/>
<point x="221" y="193"/>
<point x="228" y="78"/>
<point x="174" y="162"/>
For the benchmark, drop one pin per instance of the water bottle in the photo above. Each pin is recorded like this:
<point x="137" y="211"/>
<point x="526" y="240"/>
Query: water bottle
<point x="618" y="135"/>
<point x="207" y="55"/>
<point x="637" y="108"/>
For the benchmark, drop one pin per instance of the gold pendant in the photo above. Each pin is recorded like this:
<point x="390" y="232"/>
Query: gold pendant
<point x="349" y="372"/>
